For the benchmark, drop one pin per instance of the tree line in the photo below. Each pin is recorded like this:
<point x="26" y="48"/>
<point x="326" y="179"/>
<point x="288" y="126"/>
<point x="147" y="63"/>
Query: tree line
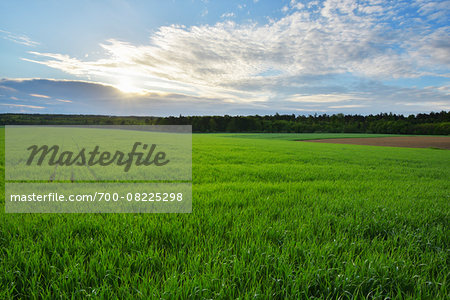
<point x="434" y="123"/>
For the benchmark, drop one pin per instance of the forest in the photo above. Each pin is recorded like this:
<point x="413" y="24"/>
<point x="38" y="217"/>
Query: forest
<point x="434" y="123"/>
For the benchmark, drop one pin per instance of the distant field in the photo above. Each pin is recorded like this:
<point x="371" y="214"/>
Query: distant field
<point x="272" y="218"/>
<point x="438" y="142"/>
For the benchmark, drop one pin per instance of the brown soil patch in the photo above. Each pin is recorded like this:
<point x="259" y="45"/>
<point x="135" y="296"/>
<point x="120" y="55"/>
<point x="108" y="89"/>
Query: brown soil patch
<point x="441" y="142"/>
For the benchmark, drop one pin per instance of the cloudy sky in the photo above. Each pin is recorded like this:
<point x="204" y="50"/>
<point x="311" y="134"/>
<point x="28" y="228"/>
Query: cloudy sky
<point x="206" y="57"/>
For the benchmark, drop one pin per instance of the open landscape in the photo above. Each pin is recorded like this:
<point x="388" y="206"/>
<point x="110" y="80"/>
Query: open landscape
<point x="239" y="149"/>
<point x="439" y="142"/>
<point x="272" y="218"/>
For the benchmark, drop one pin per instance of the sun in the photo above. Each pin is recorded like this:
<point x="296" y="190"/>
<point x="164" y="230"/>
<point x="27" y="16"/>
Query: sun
<point x="127" y="86"/>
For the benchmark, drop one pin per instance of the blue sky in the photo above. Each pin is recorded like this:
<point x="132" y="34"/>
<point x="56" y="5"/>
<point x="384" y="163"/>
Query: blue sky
<point x="224" y="57"/>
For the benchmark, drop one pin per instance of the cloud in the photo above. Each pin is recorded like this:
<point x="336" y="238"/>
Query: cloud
<point x="433" y="47"/>
<point x="96" y="98"/>
<point x="19" y="39"/>
<point x="347" y="106"/>
<point x="343" y="37"/>
<point x="325" y="98"/>
<point x="294" y="4"/>
<point x="434" y="10"/>
<point x="39" y="96"/>
<point x="318" y="50"/>
<point x="9" y="89"/>
<point x="227" y="15"/>
<point x="438" y="105"/>
<point x="22" y="105"/>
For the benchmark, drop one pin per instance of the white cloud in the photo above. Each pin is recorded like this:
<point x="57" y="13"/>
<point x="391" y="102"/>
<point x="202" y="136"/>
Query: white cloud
<point x="434" y="10"/>
<point x="18" y="38"/>
<point x="313" y="3"/>
<point x="296" y="5"/>
<point x="65" y="101"/>
<point x="435" y="47"/>
<point x="325" y="98"/>
<point x="444" y="89"/>
<point x="7" y="88"/>
<point x="22" y="105"/>
<point x="39" y="96"/>
<point x="240" y="62"/>
<point x="228" y="15"/>
<point x="347" y="106"/>
<point x="436" y="105"/>
<point x="98" y="98"/>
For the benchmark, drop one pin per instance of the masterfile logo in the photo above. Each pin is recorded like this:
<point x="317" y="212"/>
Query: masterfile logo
<point x="98" y="169"/>
<point x="94" y="157"/>
<point x="96" y="153"/>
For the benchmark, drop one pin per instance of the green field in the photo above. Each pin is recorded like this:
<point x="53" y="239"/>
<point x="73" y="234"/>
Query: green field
<point x="272" y="218"/>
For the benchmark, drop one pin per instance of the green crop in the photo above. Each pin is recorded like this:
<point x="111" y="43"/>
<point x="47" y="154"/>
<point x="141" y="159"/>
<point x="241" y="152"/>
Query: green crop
<point x="272" y="218"/>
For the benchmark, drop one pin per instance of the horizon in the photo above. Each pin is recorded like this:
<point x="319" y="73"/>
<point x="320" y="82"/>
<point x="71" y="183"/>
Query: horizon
<point x="211" y="58"/>
<point x="227" y="115"/>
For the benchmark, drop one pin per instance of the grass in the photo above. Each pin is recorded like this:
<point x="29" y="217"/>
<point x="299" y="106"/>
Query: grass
<point x="271" y="218"/>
